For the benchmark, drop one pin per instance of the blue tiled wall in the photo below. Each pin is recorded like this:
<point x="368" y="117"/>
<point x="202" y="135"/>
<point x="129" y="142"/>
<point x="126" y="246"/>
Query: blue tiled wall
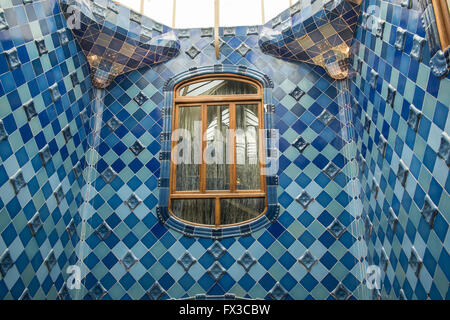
<point x="37" y="222"/>
<point x="134" y="256"/>
<point x="413" y="255"/>
<point x="311" y="252"/>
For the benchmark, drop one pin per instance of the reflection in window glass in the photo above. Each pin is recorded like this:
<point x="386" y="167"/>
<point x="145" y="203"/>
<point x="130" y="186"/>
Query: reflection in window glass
<point x="218" y="87"/>
<point x="240" y="209"/>
<point x="199" y="211"/>
<point x="247" y="165"/>
<point x="217" y="169"/>
<point x="188" y="172"/>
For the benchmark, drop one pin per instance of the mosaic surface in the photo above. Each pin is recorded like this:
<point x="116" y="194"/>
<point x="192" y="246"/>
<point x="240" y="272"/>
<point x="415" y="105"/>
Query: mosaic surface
<point x="116" y="40"/>
<point x="401" y="120"/>
<point x="310" y="252"/>
<point x="319" y="32"/>
<point x="44" y="108"/>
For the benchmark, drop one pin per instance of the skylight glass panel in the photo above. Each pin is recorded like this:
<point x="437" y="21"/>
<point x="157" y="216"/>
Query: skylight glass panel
<point x="159" y="10"/>
<point x="240" y="13"/>
<point x="200" y="13"/>
<point x="272" y="8"/>
<point x="194" y="14"/>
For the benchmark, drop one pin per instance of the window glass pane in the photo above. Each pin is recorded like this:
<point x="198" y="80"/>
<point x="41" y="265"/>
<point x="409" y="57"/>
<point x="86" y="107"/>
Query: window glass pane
<point x="188" y="164"/>
<point x="247" y="145"/>
<point x="218" y="87"/>
<point x="240" y="210"/>
<point x="194" y="210"/>
<point x="217" y="169"/>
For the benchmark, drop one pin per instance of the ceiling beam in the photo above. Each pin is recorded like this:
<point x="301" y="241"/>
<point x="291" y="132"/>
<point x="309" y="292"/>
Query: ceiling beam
<point x="174" y="13"/>
<point x="216" y="27"/>
<point x="263" y="18"/>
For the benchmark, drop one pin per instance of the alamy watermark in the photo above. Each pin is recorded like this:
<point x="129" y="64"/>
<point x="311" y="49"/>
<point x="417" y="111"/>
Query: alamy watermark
<point x="373" y="277"/>
<point x="74" y="280"/>
<point x="219" y="150"/>
<point x="73" y="17"/>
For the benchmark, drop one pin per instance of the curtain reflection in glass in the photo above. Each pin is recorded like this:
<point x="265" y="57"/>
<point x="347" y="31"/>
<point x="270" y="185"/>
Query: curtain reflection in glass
<point x="218" y="87"/>
<point x="247" y="145"/>
<point x="199" y="211"/>
<point x="239" y="210"/>
<point x="188" y="173"/>
<point x="217" y="169"/>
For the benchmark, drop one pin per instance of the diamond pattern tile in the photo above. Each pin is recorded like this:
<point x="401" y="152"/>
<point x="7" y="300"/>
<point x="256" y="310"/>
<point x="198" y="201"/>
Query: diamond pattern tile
<point x="307" y="260"/>
<point x="97" y="292"/>
<point x="38" y="100"/>
<point x="341" y="292"/>
<point x="408" y="231"/>
<point x="337" y="229"/>
<point x="313" y="248"/>
<point x="186" y="261"/>
<point x="304" y="199"/>
<point x="278" y="292"/>
<point x="216" y="250"/>
<point x="247" y="261"/>
<point x="192" y="52"/>
<point x="311" y="160"/>
<point x="129" y="261"/>
<point x="156" y="292"/>
<point x="103" y="231"/>
<point x="6" y="263"/>
<point x="216" y="271"/>
<point x="35" y="224"/>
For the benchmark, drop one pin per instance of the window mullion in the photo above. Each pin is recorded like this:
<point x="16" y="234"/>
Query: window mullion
<point x="261" y="147"/>
<point x="217" y="212"/>
<point x="173" y="173"/>
<point x="232" y="146"/>
<point x="203" y="164"/>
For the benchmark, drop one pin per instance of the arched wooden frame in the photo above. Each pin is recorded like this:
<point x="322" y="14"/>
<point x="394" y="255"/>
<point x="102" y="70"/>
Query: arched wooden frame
<point x="231" y="101"/>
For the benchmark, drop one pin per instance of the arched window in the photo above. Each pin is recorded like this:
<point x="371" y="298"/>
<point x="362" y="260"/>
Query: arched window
<point x="217" y="172"/>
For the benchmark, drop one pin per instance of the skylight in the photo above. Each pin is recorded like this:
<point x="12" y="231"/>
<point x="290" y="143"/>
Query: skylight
<point x="200" y="13"/>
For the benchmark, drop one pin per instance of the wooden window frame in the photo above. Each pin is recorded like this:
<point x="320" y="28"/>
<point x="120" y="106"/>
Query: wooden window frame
<point x="441" y="11"/>
<point x="180" y="101"/>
